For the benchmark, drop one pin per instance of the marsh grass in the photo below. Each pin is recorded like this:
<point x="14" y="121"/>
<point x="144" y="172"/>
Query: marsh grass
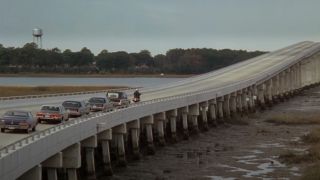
<point x="294" y="119"/>
<point x="6" y="91"/>
<point x="311" y="156"/>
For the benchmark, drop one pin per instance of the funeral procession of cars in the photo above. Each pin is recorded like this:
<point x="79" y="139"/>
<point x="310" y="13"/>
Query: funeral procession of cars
<point x="23" y="120"/>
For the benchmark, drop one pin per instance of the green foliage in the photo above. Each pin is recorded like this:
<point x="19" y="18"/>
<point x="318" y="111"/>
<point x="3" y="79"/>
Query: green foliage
<point x="180" y="61"/>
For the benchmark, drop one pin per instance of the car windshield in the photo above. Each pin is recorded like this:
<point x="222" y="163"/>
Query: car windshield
<point x="113" y="95"/>
<point x="50" y="108"/>
<point x="97" y="100"/>
<point x="16" y="113"/>
<point x="71" y="104"/>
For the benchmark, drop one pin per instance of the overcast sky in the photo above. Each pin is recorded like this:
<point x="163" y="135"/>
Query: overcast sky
<point x="158" y="25"/>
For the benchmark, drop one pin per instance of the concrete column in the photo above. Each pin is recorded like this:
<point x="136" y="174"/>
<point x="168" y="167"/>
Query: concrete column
<point x="72" y="160"/>
<point x="33" y="174"/>
<point x="105" y="137"/>
<point x="269" y="86"/>
<point x="194" y="113"/>
<point x="261" y="92"/>
<point x="118" y="133"/>
<point x="298" y="79"/>
<point x="244" y="101"/>
<point x="233" y="104"/>
<point x="148" y="122"/>
<point x="212" y="111"/>
<point x="52" y="164"/>
<point x="220" y="108"/>
<point x="134" y="128"/>
<point x="275" y="89"/>
<point x="281" y="86"/>
<point x="184" y="113"/>
<point x="239" y="102"/>
<point x="89" y="145"/>
<point x="160" y="121"/>
<point x="204" y="107"/>
<point x="226" y="106"/>
<point x="72" y="174"/>
<point x="172" y="116"/>
<point x="185" y="125"/>
<point x="52" y="174"/>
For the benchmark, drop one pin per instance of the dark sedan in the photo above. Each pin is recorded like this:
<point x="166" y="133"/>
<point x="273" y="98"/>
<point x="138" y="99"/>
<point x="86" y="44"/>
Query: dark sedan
<point x="100" y="104"/>
<point x="14" y="120"/>
<point x="118" y="99"/>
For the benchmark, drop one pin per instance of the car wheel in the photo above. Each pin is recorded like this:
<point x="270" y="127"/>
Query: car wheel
<point x="34" y="129"/>
<point x="3" y="130"/>
<point x="39" y="121"/>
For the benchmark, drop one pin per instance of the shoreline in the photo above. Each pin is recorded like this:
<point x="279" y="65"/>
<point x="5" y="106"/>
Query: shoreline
<point x="56" y="75"/>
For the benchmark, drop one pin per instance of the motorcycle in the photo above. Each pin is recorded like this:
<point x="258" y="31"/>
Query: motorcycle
<point x="136" y="99"/>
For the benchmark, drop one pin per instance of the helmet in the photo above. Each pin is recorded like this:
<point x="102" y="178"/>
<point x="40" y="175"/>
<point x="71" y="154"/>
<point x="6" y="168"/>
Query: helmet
<point x="136" y="89"/>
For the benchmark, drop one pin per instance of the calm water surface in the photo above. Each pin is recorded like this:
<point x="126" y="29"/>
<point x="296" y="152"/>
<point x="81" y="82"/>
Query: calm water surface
<point x="46" y="81"/>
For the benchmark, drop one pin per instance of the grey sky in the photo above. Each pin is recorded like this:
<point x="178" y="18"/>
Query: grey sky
<point x="158" y="25"/>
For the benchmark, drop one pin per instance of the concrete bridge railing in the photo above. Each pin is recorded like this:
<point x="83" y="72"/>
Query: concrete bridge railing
<point x="61" y="146"/>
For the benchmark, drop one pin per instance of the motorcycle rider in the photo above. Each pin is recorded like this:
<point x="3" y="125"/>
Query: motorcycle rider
<point x="137" y="94"/>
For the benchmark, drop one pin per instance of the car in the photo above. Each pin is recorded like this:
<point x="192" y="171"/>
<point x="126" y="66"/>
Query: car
<point x="100" y="104"/>
<point x="118" y="99"/>
<point x="76" y="108"/>
<point x="52" y="113"/>
<point x="18" y="120"/>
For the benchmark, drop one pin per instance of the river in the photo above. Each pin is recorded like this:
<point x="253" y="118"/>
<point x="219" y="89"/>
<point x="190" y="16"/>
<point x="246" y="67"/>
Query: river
<point x="83" y="81"/>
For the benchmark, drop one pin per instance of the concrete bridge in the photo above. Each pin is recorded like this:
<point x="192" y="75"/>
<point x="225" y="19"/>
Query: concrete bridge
<point x="165" y="113"/>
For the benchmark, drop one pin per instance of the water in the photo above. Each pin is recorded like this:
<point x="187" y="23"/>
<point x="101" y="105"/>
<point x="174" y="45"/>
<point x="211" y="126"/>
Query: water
<point x="59" y="81"/>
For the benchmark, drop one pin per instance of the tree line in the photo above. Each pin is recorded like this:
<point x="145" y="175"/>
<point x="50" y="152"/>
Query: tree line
<point x="29" y="58"/>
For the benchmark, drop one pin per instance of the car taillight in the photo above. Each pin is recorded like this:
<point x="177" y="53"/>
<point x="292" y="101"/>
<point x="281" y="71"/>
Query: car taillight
<point x="39" y="114"/>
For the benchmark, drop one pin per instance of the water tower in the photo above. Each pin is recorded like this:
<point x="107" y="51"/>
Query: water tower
<point x="37" y="36"/>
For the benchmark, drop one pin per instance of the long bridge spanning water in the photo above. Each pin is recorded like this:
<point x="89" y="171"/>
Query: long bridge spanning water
<point x="182" y="106"/>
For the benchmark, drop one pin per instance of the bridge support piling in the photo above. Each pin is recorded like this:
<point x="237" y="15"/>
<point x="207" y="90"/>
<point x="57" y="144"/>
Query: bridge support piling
<point x="148" y="122"/>
<point x="134" y="127"/>
<point x="226" y="106"/>
<point x="172" y="116"/>
<point x="185" y="125"/>
<point x="160" y="121"/>
<point x="239" y="102"/>
<point x="233" y="105"/>
<point x="194" y="113"/>
<point x="72" y="160"/>
<point x="33" y="174"/>
<point x="269" y="86"/>
<point x="212" y="112"/>
<point x="244" y="101"/>
<point x="52" y="174"/>
<point x="72" y="174"/>
<point x="251" y="107"/>
<point x="90" y="144"/>
<point x="52" y="164"/>
<point x="220" y="109"/>
<point x="118" y="133"/>
<point x="105" y="137"/>
<point x="204" y="107"/>
<point x="261" y="100"/>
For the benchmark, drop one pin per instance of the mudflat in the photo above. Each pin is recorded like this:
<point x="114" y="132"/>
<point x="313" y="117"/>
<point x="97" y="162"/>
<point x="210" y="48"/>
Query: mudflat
<point x="251" y="147"/>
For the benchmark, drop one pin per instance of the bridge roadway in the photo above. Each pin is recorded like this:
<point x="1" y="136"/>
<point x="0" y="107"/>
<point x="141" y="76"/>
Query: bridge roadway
<point x="237" y="73"/>
<point x="215" y="79"/>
